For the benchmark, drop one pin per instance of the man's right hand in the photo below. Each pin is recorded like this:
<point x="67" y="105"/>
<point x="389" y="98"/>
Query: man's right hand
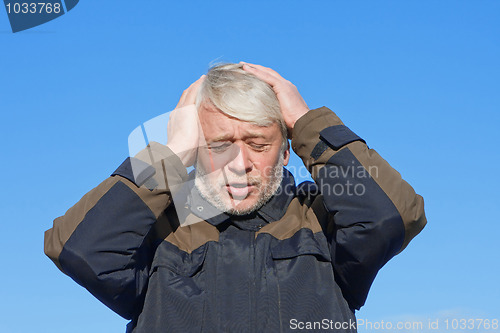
<point x="184" y="132"/>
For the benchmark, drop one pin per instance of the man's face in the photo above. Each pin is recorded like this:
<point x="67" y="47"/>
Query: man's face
<point x="241" y="166"/>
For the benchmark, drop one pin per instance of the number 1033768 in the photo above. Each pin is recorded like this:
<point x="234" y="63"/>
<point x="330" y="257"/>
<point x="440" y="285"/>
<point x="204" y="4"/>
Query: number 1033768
<point x="33" y="8"/>
<point x="471" y="324"/>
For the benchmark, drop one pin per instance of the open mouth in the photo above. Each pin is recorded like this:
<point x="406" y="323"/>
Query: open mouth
<point x="239" y="190"/>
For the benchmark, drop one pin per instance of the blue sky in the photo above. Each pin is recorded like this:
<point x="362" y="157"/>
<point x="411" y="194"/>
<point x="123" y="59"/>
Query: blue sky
<point x="418" y="80"/>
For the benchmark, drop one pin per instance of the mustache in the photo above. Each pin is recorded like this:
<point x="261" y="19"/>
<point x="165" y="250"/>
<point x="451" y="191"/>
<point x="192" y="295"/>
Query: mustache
<point x="231" y="179"/>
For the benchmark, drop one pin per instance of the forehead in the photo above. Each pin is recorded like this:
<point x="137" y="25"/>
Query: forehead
<point x="217" y="126"/>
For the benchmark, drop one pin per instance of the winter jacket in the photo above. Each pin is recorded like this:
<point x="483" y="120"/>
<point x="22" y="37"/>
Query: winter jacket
<point x="308" y="256"/>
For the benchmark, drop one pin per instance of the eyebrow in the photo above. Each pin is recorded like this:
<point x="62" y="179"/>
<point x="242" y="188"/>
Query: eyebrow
<point x="220" y="138"/>
<point x="250" y="135"/>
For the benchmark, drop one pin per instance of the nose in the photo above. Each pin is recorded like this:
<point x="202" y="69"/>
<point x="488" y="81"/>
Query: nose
<point x="241" y="163"/>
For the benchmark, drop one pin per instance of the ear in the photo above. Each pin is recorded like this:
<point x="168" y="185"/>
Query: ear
<point x="286" y="153"/>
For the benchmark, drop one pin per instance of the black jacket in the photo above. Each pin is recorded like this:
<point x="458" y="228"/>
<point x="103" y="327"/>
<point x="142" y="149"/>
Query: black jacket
<point x="306" y="259"/>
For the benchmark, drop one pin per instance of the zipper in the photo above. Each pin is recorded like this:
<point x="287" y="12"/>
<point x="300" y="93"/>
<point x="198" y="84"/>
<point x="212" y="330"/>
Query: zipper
<point x="252" y="287"/>
<point x="279" y="295"/>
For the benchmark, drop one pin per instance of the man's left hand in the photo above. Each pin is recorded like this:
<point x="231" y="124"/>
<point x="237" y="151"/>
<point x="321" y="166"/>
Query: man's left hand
<point x="291" y="102"/>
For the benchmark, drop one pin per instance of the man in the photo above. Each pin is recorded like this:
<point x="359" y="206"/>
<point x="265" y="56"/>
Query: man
<point x="234" y="246"/>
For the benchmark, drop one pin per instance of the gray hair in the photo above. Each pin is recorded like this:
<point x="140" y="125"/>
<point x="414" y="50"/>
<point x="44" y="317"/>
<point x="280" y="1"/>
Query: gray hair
<point x="241" y="95"/>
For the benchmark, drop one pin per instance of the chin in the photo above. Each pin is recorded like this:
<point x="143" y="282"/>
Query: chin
<point x="243" y="209"/>
<point x="235" y="206"/>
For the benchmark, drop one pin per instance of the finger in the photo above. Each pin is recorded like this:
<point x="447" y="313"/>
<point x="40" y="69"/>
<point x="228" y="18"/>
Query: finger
<point x="187" y="95"/>
<point x="182" y="99"/>
<point x="265" y="76"/>
<point x="264" y="69"/>
<point x="193" y="91"/>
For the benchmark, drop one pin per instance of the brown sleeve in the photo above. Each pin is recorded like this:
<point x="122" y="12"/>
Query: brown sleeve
<point x="106" y="241"/>
<point x="167" y="168"/>
<point x="366" y="210"/>
<point x="306" y="137"/>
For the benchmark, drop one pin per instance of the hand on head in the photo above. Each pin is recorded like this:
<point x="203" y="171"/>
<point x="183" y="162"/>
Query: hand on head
<point x="183" y="129"/>
<point x="291" y="102"/>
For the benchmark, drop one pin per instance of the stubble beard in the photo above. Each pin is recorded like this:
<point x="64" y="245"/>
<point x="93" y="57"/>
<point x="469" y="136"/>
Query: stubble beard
<point x="221" y="200"/>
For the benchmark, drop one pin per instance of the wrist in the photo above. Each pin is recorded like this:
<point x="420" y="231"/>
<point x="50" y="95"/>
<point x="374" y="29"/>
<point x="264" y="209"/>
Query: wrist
<point x="291" y="123"/>
<point x="187" y="156"/>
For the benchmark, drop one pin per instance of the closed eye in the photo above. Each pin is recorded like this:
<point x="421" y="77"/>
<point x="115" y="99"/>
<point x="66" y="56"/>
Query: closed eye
<point x="218" y="147"/>
<point x="259" y="147"/>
